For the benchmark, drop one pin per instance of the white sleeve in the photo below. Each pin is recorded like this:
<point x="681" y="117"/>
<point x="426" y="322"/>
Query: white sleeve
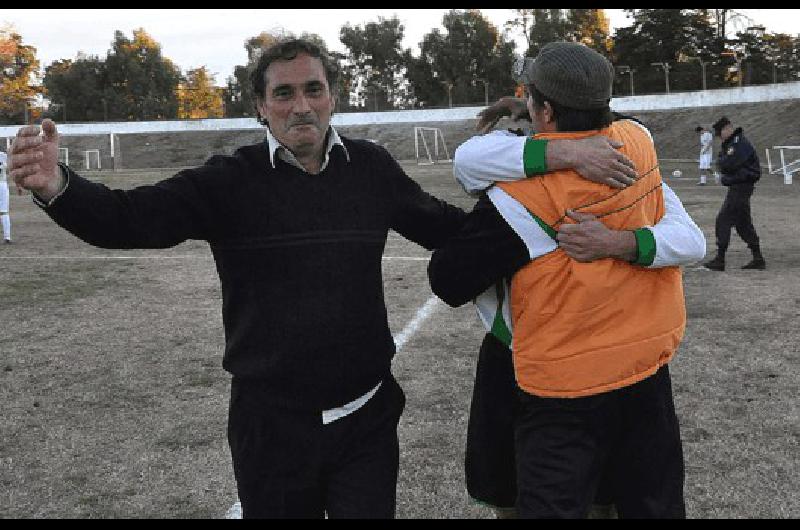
<point x="483" y="160"/>
<point x="522" y="222"/>
<point x="679" y="241"/>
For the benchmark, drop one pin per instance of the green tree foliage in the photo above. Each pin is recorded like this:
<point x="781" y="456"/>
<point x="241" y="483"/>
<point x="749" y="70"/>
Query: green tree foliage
<point x="540" y="26"/>
<point x="77" y="90"/>
<point x="678" y="37"/>
<point x="591" y="27"/>
<point x="198" y="97"/>
<point x="375" y="63"/>
<point x="469" y="51"/>
<point x="143" y="84"/>
<point x="18" y="77"/>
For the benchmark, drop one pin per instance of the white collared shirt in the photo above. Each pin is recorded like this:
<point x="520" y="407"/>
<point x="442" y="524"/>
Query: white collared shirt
<point x="287" y="156"/>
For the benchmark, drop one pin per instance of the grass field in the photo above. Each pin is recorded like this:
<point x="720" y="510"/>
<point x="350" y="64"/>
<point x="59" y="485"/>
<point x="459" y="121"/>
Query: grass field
<point x="113" y="402"/>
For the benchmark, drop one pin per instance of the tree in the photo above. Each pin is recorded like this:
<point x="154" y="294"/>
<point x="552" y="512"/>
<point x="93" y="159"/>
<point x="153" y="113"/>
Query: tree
<point x="18" y="77"/>
<point x="375" y="62"/>
<point x="454" y="65"/>
<point x="76" y="89"/>
<point x="673" y="36"/>
<point x="143" y="84"/>
<point x="590" y="27"/>
<point x="198" y="97"/>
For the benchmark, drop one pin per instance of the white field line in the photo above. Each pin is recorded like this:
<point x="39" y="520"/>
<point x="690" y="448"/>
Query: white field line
<point x="423" y="313"/>
<point x="235" y="511"/>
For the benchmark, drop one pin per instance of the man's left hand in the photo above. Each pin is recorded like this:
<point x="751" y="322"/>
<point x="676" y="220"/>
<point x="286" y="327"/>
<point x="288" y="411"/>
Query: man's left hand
<point x="589" y="240"/>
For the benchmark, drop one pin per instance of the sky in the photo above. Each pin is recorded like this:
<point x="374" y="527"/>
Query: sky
<point x="214" y="38"/>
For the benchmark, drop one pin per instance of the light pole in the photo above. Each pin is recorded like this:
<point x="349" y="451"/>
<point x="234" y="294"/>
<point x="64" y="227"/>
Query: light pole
<point x="449" y="86"/>
<point x="666" y="67"/>
<point x="624" y="69"/>
<point x="703" y="67"/>
<point x="485" y="90"/>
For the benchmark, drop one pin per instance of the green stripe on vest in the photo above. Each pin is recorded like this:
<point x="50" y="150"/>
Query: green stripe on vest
<point x="499" y="328"/>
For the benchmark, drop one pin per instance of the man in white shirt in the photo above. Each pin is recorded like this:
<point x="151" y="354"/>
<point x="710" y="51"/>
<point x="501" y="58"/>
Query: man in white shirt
<point x="706" y="149"/>
<point x="5" y="219"/>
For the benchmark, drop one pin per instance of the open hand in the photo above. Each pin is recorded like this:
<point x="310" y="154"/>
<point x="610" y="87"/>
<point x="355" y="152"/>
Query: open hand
<point x="33" y="160"/>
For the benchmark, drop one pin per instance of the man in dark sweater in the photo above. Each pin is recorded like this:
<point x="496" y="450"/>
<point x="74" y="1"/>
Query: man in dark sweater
<point x="297" y="226"/>
<point x="738" y="162"/>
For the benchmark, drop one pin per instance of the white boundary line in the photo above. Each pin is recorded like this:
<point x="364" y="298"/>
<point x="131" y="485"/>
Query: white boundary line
<point x="423" y="313"/>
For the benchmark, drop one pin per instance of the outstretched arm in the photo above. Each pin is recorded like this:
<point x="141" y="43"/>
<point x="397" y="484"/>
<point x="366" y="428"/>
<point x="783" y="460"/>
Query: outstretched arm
<point x="33" y="163"/>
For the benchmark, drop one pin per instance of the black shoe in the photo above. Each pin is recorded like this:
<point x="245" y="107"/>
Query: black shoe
<point x="756" y="263"/>
<point x="7" y="241"/>
<point x="715" y="264"/>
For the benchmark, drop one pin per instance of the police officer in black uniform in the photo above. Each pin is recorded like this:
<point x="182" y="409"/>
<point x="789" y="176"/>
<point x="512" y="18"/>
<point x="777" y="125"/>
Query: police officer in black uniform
<point x="740" y="168"/>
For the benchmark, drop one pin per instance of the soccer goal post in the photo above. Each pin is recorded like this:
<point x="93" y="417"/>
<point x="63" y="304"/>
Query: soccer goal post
<point x="786" y="168"/>
<point x="426" y="138"/>
<point x="63" y="155"/>
<point x="92" y="158"/>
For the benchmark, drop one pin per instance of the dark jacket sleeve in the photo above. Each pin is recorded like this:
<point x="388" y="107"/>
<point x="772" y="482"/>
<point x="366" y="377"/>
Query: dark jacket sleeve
<point x="484" y="251"/>
<point x="160" y="215"/>
<point x="418" y="215"/>
<point x="738" y="162"/>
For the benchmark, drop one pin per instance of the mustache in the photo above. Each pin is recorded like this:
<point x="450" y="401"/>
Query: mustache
<point x="304" y="120"/>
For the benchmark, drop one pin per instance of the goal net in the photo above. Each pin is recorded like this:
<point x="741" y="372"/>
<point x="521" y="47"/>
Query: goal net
<point x="63" y="155"/>
<point x="429" y="145"/>
<point x="92" y="158"/>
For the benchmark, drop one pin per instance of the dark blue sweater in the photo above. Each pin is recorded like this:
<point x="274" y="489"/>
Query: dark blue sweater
<point x="298" y="257"/>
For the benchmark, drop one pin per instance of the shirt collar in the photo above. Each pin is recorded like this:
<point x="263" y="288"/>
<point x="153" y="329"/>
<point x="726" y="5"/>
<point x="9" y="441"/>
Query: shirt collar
<point x="287" y="156"/>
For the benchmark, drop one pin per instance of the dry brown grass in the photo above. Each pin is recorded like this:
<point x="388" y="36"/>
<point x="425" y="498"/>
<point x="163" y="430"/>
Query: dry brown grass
<point x="114" y="402"/>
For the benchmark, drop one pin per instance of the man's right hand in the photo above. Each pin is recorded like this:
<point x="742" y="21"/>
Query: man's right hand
<point x="596" y="158"/>
<point x="506" y="106"/>
<point x="33" y="160"/>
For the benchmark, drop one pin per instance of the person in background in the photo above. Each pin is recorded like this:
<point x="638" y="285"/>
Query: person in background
<point x="740" y="167"/>
<point x="706" y="150"/>
<point x="5" y="217"/>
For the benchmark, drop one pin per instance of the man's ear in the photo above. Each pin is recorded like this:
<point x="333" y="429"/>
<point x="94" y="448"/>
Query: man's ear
<point x="549" y="116"/>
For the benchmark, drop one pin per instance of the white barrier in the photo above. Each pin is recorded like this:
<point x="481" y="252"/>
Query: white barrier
<point x="705" y="98"/>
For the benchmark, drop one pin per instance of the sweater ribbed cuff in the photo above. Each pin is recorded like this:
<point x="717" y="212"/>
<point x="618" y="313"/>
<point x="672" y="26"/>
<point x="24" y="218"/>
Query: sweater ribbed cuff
<point x="645" y="247"/>
<point x="534" y="157"/>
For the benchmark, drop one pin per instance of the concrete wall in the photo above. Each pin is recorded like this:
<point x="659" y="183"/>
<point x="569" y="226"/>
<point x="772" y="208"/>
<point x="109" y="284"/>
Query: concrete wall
<point x="671" y="118"/>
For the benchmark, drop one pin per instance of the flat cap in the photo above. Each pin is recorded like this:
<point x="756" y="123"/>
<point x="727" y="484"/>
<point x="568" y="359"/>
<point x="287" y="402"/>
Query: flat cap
<point x="571" y="74"/>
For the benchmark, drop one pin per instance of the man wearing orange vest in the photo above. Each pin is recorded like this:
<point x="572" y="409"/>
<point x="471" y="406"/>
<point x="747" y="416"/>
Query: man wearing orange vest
<point x="589" y="356"/>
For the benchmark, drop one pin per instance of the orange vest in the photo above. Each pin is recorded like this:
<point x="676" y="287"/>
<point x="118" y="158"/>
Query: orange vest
<point x="586" y="328"/>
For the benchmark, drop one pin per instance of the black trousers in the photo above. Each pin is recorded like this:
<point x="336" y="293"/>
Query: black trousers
<point x="490" y="463"/>
<point x="565" y="445"/>
<point x="735" y="212"/>
<point x="288" y="464"/>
